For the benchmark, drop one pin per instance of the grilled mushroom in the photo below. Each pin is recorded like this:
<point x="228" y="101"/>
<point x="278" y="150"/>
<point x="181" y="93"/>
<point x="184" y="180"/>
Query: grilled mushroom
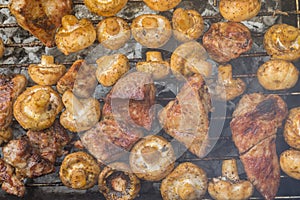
<point x="277" y="75"/>
<point x="290" y="163"/>
<point x="117" y="182"/>
<point x="104" y="7"/>
<point x="229" y="186"/>
<point x="152" y="158"/>
<point x="282" y="41"/>
<point x="79" y="170"/>
<point x="154" y="65"/>
<point x="151" y="30"/>
<point x="190" y="58"/>
<point x="162" y="5"/>
<point x="80" y="78"/>
<point x="187" y="181"/>
<point x="74" y="35"/>
<point x="111" y="68"/>
<point x="80" y="114"/>
<point x="239" y="10"/>
<point x="292" y="128"/>
<point x="113" y="32"/>
<point x="2" y="48"/>
<point x="37" y="107"/>
<point x="187" y="25"/>
<point x="46" y="73"/>
<point x="228" y="88"/>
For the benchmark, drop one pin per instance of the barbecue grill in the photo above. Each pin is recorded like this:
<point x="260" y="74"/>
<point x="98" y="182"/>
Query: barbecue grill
<point x="22" y="49"/>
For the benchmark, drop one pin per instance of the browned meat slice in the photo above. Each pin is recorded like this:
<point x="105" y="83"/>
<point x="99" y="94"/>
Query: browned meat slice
<point x="27" y="160"/>
<point x="10" y="88"/>
<point x="262" y="167"/>
<point x="10" y="183"/>
<point x="227" y="40"/>
<point x="41" y="17"/>
<point x="50" y="142"/>
<point x="186" y="118"/>
<point x="108" y="141"/>
<point x="131" y="99"/>
<point x="254" y="126"/>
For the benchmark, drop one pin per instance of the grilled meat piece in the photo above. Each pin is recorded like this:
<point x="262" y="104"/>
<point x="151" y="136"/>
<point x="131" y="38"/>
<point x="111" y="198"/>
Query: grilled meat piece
<point x="41" y="17"/>
<point x="28" y="162"/>
<point x="186" y="117"/>
<point x="131" y="99"/>
<point x="50" y="142"/>
<point x="10" y="88"/>
<point x="109" y="140"/>
<point x="10" y="182"/>
<point x="254" y="126"/>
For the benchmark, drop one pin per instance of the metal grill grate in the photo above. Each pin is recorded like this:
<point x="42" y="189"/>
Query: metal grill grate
<point x="289" y="13"/>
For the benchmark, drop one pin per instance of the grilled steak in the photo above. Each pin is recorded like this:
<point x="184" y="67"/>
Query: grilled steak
<point x="186" y="117"/>
<point x="254" y="126"/>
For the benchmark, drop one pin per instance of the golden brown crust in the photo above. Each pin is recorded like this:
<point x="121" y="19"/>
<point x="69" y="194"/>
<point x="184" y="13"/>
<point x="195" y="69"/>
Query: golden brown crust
<point x="46" y="73"/>
<point x="152" y="158"/>
<point x="2" y="48"/>
<point x="111" y="68"/>
<point x="190" y="58"/>
<point x="292" y="127"/>
<point x="151" y="30"/>
<point x="290" y="163"/>
<point x="42" y="22"/>
<point x="105" y="8"/>
<point x="74" y="35"/>
<point x="282" y="41"/>
<point x="37" y="107"/>
<point x="80" y="114"/>
<point x="80" y="79"/>
<point x="162" y="5"/>
<point x="225" y="41"/>
<point x="239" y="10"/>
<point x="113" y="32"/>
<point x="117" y="181"/>
<point x="277" y="75"/>
<point x="186" y="181"/>
<point x="187" y="25"/>
<point x="79" y="170"/>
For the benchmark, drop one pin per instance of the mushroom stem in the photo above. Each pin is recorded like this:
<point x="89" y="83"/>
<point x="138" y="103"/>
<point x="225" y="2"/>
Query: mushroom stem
<point x="187" y="191"/>
<point x="150" y="154"/>
<point x="78" y="179"/>
<point x="150" y="22"/>
<point x="229" y="170"/>
<point x="68" y="21"/>
<point x="119" y="184"/>
<point x="186" y="21"/>
<point x="112" y="26"/>
<point x="47" y="60"/>
<point x="40" y="101"/>
<point x="72" y="103"/>
<point x="153" y="56"/>
<point x="225" y="73"/>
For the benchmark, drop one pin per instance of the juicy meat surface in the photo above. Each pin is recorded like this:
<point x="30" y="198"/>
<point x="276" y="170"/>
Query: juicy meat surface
<point x="10" y="88"/>
<point x="28" y="162"/>
<point x="109" y="140"/>
<point x="227" y="40"/>
<point x="254" y="126"/>
<point x="131" y="99"/>
<point x="10" y="182"/>
<point x="50" y="142"/>
<point x="186" y="117"/>
<point x="41" y="17"/>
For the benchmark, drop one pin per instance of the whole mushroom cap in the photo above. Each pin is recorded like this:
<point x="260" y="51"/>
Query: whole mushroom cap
<point x="291" y="128"/>
<point x="162" y="5"/>
<point x="74" y="35"/>
<point x="152" y="158"/>
<point x="187" y="181"/>
<point x="117" y="181"/>
<point x="37" y="107"/>
<point x="290" y="163"/>
<point x="151" y="30"/>
<point x="79" y="170"/>
<point x="105" y="8"/>
<point x="113" y="32"/>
